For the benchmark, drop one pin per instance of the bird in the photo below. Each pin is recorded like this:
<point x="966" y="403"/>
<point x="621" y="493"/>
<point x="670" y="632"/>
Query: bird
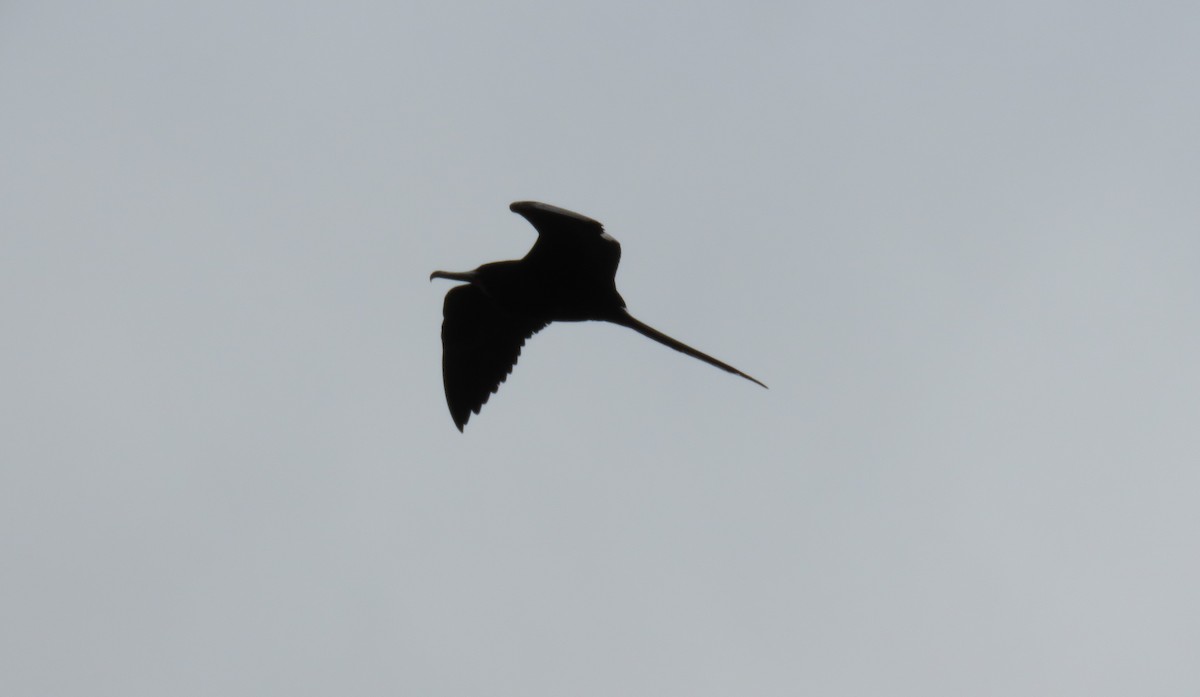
<point x="569" y="275"/>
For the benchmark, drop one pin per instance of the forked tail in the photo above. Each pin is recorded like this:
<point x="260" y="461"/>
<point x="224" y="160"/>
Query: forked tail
<point x="646" y="330"/>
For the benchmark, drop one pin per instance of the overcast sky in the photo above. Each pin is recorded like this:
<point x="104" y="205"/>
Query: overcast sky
<point x="959" y="241"/>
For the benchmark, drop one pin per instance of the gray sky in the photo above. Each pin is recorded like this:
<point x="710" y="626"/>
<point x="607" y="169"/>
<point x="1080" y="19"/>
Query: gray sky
<point x="958" y="240"/>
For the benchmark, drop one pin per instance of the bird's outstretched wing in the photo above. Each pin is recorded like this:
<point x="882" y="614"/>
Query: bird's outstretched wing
<point x="569" y="240"/>
<point x="480" y="346"/>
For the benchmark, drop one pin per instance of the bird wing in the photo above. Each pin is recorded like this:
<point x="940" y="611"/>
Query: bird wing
<point x="480" y="346"/>
<point x="569" y="240"/>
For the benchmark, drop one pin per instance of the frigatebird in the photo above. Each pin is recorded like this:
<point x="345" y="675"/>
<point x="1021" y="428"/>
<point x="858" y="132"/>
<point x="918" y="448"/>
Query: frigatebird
<point x="569" y="275"/>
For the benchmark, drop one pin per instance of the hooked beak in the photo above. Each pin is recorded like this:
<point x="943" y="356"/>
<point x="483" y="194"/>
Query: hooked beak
<point x="467" y="276"/>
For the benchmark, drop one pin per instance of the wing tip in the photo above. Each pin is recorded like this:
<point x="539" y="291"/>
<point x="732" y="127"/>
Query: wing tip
<point x="536" y="208"/>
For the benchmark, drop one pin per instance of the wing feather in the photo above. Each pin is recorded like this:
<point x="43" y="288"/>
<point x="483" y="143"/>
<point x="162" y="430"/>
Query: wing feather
<point x="569" y="240"/>
<point x="480" y="346"/>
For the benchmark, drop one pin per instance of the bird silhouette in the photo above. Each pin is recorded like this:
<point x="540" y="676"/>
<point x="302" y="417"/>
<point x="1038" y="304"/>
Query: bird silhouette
<point x="569" y="275"/>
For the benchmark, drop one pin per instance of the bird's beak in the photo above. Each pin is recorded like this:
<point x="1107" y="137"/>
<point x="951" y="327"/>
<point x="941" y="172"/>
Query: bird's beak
<point x="467" y="276"/>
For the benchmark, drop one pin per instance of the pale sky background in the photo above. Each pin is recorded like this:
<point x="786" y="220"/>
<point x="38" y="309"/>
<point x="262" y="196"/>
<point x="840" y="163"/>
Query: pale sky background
<point x="958" y="240"/>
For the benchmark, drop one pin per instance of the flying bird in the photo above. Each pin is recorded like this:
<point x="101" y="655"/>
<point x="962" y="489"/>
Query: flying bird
<point x="569" y="275"/>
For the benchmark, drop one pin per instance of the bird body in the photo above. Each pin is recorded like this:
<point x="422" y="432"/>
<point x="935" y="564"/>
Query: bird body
<point x="557" y="293"/>
<point x="568" y="276"/>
